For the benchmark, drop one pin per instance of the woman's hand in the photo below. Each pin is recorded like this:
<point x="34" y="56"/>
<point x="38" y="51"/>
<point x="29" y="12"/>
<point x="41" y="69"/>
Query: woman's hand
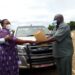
<point x="32" y="42"/>
<point x="8" y="37"/>
<point x="38" y="43"/>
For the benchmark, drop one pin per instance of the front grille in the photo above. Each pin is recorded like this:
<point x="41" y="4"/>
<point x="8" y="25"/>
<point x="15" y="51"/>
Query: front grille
<point x="39" y="54"/>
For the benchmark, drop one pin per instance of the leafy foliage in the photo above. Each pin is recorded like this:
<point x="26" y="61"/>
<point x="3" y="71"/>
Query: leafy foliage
<point x="72" y="25"/>
<point x="50" y="27"/>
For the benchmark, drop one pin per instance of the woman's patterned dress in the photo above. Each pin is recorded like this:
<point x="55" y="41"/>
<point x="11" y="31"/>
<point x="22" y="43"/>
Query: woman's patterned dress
<point x="8" y="56"/>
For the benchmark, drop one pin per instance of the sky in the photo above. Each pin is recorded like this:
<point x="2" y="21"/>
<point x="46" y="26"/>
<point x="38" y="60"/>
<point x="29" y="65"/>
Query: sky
<point x="36" y="12"/>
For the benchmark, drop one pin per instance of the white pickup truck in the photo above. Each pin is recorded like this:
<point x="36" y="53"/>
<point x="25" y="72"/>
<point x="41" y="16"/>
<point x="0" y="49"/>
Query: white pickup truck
<point x="34" y="56"/>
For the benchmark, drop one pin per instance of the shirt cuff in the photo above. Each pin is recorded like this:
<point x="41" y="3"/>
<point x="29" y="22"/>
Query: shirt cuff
<point x="2" y="40"/>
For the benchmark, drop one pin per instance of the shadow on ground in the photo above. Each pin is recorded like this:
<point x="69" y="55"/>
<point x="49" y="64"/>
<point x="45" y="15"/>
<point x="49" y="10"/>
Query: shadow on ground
<point x="41" y="71"/>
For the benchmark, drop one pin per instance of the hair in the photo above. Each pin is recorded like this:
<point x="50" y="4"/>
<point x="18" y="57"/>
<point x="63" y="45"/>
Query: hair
<point x="2" y="22"/>
<point x="60" y="16"/>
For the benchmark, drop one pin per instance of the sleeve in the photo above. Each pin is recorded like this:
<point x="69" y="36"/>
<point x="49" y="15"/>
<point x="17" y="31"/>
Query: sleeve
<point x="14" y="39"/>
<point x="2" y="40"/>
<point x="61" y="33"/>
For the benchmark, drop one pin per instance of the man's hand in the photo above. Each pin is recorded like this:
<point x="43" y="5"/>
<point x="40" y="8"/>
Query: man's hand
<point x="8" y="37"/>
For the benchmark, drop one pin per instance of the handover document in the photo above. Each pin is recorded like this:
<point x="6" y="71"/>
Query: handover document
<point x="40" y="36"/>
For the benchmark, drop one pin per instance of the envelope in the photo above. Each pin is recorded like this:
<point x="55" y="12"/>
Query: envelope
<point x="40" y="36"/>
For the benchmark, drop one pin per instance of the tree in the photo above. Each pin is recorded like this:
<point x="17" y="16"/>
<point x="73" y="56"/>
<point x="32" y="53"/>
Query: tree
<point x="50" y="27"/>
<point x="72" y="25"/>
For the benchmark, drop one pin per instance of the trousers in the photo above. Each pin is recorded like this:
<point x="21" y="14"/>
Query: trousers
<point x="64" y="65"/>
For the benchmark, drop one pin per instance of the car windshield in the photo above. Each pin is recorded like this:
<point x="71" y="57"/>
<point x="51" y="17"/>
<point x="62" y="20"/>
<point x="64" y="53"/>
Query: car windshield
<point x="30" y="30"/>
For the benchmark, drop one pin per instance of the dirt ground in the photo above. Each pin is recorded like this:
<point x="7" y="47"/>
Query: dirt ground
<point x="73" y="39"/>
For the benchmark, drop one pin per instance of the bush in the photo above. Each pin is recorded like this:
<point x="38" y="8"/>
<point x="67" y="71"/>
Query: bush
<point x="72" y="25"/>
<point x="50" y="27"/>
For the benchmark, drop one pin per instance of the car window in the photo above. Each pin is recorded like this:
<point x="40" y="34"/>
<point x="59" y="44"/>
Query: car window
<point x="29" y="31"/>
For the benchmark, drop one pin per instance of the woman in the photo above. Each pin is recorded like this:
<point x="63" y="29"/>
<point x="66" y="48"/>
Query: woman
<point x="8" y="52"/>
